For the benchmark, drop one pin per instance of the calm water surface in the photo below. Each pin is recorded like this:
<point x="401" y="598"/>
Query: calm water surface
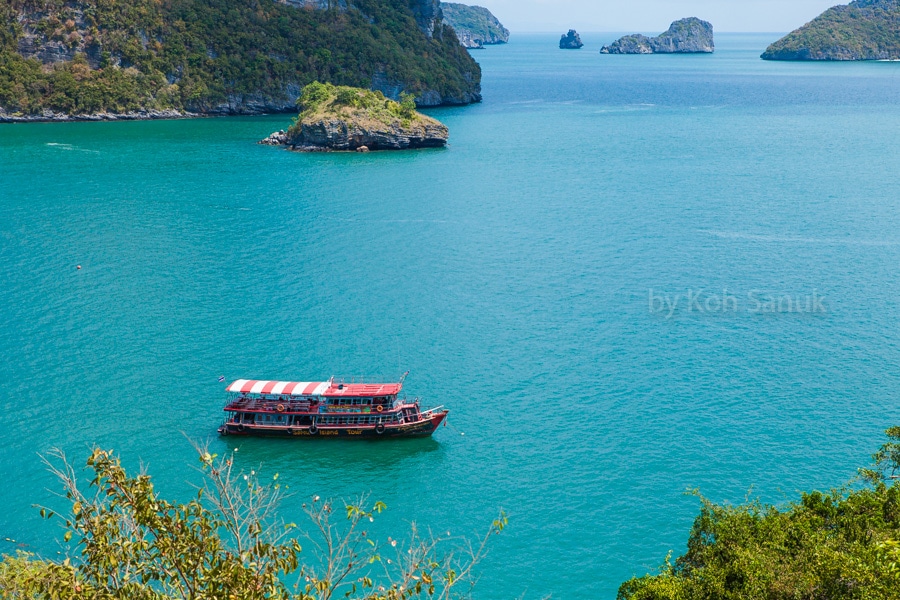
<point x="511" y="273"/>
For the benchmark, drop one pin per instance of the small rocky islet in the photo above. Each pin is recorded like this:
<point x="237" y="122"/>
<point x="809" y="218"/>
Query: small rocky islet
<point x="685" y="36"/>
<point x="342" y="118"/>
<point x="570" y="41"/>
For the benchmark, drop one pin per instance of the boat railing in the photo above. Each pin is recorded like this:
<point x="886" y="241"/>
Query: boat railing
<point x="364" y="379"/>
<point x="427" y="414"/>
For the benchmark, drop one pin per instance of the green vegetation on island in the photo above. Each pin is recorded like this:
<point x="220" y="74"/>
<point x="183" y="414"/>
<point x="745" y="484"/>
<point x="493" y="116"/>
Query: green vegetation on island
<point x="862" y="30"/>
<point x="123" y="542"/>
<point x="347" y="118"/>
<point x="221" y="56"/>
<point x="323" y="100"/>
<point x="840" y="545"/>
<point x="475" y="26"/>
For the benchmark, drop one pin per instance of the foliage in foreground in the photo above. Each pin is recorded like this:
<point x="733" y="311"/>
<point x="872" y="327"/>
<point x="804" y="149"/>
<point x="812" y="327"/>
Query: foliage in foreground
<point x="225" y="544"/>
<point x="843" y="545"/>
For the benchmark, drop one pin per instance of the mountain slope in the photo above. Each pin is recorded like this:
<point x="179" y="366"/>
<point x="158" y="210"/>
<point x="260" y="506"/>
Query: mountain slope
<point x="222" y="56"/>
<point x="862" y="30"/>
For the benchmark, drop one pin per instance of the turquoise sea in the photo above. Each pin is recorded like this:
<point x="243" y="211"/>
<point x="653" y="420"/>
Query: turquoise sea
<point x="520" y="276"/>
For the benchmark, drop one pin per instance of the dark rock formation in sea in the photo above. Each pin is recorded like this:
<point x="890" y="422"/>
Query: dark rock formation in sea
<point x="686" y="36"/>
<point x="475" y="26"/>
<point x="196" y="57"/>
<point x="570" y="41"/>
<point x="346" y="118"/>
<point x="349" y="134"/>
<point x="862" y="30"/>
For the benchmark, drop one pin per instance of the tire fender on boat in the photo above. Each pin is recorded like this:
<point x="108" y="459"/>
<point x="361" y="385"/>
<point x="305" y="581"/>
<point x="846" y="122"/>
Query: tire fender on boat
<point x="379" y="429"/>
<point x="241" y="427"/>
<point x="313" y="430"/>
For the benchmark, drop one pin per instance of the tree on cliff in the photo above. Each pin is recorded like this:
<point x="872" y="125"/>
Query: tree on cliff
<point x="227" y="543"/>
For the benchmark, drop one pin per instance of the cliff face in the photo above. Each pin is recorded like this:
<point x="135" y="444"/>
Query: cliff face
<point x="687" y="36"/>
<point x="862" y="30"/>
<point x="353" y="134"/>
<point x="475" y="26"/>
<point x="90" y="57"/>
<point x="428" y="15"/>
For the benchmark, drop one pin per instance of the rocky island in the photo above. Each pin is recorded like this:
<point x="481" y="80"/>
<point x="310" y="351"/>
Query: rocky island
<point x="570" y="41"/>
<point x="347" y="118"/>
<point x="475" y="26"/>
<point x="106" y="59"/>
<point x="686" y="36"/>
<point x="862" y="30"/>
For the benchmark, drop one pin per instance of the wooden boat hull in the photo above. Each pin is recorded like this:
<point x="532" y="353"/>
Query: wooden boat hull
<point x="423" y="428"/>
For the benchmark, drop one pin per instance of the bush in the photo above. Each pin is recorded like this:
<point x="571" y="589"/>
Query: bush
<point x="225" y="543"/>
<point x="841" y="545"/>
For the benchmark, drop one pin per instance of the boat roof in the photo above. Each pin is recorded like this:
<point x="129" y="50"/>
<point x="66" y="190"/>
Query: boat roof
<point x="314" y="388"/>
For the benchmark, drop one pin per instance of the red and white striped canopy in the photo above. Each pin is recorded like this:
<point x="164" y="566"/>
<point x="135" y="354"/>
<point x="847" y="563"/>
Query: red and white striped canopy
<point x="314" y="388"/>
<point x="287" y="388"/>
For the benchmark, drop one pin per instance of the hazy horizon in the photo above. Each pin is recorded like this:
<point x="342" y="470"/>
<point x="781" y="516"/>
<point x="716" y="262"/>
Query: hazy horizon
<point x="727" y="16"/>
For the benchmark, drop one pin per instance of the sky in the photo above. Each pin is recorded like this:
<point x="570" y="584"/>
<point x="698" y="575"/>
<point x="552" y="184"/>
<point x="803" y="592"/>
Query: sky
<point x="653" y="16"/>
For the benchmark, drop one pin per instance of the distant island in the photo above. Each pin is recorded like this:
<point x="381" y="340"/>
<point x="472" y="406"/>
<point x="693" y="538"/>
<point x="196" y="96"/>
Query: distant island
<point x="110" y="59"/>
<point x="570" y="41"/>
<point x="862" y="30"/>
<point x="686" y="36"/>
<point x="347" y="118"/>
<point x="475" y="26"/>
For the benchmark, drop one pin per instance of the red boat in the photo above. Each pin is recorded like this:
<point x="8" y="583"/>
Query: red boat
<point x="329" y="408"/>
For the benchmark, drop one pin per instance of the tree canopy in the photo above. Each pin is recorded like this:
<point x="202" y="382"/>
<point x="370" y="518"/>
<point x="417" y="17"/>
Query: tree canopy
<point x="839" y="545"/>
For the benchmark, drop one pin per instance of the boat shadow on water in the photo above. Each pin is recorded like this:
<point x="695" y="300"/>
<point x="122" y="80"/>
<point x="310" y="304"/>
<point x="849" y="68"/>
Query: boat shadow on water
<point x="328" y="455"/>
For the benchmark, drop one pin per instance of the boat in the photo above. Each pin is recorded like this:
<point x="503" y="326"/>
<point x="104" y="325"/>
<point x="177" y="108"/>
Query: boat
<point x="308" y="409"/>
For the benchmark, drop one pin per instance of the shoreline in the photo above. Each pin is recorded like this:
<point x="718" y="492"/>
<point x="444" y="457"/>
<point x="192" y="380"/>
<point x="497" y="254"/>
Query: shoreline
<point x="139" y="115"/>
<point x="53" y="117"/>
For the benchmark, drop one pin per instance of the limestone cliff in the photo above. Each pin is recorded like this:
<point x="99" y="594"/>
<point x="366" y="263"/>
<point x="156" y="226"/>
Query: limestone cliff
<point x="687" y="36"/>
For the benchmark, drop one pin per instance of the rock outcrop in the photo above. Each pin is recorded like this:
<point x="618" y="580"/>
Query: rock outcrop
<point x="862" y="30"/>
<point x="475" y="26"/>
<point x="687" y="36"/>
<point x="278" y="138"/>
<point x="353" y="134"/>
<point x="345" y="118"/>
<point x="570" y="41"/>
